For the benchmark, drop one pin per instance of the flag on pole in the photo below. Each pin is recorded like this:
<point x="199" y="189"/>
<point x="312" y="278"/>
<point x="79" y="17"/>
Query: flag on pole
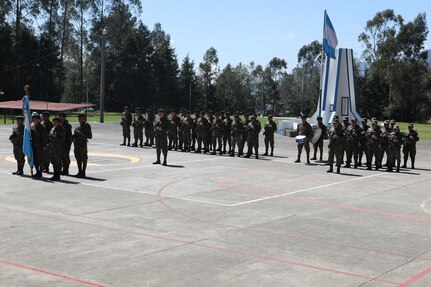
<point x="26" y="146"/>
<point x="330" y="41"/>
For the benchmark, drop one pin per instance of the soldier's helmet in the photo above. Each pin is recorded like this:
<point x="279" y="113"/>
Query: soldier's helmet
<point x="346" y="119"/>
<point x="19" y="118"/>
<point x="62" y="115"/>
<point x="396" y="127"/>
<point x="253" y="117"/>
<point x="160" y="110"/>
<point x="302" y="115"/>
<point x="270" y="116"/>
<point x="45" y="113"/>
<point x="410" y="125"/>
<point x="335" y="121"/>
<point x="35" y="115"/>
<point x="353" y="119"/>
<point x="56" y="119"/>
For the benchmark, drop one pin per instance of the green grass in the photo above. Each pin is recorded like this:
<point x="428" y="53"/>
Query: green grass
<point x="424" y="130"/>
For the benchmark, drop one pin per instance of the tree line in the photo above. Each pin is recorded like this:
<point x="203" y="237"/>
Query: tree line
<point x="54" y="45"/>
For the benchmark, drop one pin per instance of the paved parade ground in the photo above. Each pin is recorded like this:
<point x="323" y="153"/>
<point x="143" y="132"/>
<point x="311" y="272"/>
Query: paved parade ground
<point x="213" y="221"/>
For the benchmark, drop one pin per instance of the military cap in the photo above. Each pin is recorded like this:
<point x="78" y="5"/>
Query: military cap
<point x="19" y="118"/>
<point x="35" y="115"/>
<point x="392" y="122"/>
<point x="217" y="114"/>
<point x="345" y="118"/>
<point x="62" y="114"/>
<point x="222" y="112"/>
<point x="386" y="122"/>
<point x="319" y="118"/>
<point x="149" y="109"/>
<point x="209" y="112"/>
<point x="373" y="119"/>
<point x="270" y="116"/>
<point x="82" y="115"/>
<point x="126" y="107"/>
<point x="57" y="119"/>
<point x="364" y="119"/>
<point x="335" y="117"/>
<point x="396" y="127"/>
<point x="410" y="125"/>
<point x="353" y="119"/>
<point x="302" y="115"/>
<point x="160" y="110"/>
<point x="45" y="113"/>
<point x="246" y="115"/>
<point x="335" y="121"/>
<point x="187" y="111"/>
<point x="173" y="110"/>
<point x="236" y="115"/>
<point x="227" y="113"/>
<point x="253" y="117"/>
<point x="202" y="112"/>
<point x="374" y="122"/>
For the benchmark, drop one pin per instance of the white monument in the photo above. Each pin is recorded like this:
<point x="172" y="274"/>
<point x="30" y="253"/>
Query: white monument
<point x="337" y="95"/>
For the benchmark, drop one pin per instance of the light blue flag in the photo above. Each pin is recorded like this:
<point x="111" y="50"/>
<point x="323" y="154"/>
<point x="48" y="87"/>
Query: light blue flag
<point x="26" y="146"/>
<point x="330" y="40"/>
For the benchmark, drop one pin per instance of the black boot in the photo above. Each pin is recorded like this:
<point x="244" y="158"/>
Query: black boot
<point x="79" y="174"/>
<point x="308" y="159"/>
<point x="135" y="144"/>
<point x="165" y="159"/>
<point x="338" y="169"/>
<point x="124" y="142"/>
<point x="272" y="152"/>
<point x="17" y="170"/>
<point x="331" y="168"/>
<point x="128" y="142"/>
<point x="65" y="170"/>
<point x="56" y="176"/>
<point x="413" y="163"/>
<point x="84" y="168"/>
<point x="398" y="167"/>
<point x="405" y="163"/>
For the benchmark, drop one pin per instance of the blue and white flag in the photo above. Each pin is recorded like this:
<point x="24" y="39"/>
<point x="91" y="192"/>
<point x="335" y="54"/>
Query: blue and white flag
<point x="26" y="146"/>
<point x="330" y="41"/>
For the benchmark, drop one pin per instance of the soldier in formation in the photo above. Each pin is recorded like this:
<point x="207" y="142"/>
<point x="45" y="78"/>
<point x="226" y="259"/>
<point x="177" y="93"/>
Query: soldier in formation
<point x="149" y="127"/>
<point x="352" y="134"/>
<point x="318" y="145"/>
<point x="65" y="153"/>
<point x="126" y="122"/>
<point x="48" y="125"/>
<point x="138" y="128"/>
<point x="253" y="129"/>
<point x="269" y="130"/>
<point x="409" y="148"/>
<point x="57" y="137"/>
<point x="39" y="143"/>
<point x="304" y="129"/>
<point x="161" y="129"/>
<point x="336" y="146"/>
<point x="80" y="138"/>
<point x="17" y="138"/>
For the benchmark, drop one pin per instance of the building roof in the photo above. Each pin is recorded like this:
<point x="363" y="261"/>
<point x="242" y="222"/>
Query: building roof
<point x="44" y="106"/>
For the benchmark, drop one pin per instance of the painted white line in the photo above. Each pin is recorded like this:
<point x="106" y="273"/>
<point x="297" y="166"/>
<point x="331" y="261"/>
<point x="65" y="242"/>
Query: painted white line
<point x="154" y="194"/>
<point x="303" y="190"/>
<point x="151" y="165"/>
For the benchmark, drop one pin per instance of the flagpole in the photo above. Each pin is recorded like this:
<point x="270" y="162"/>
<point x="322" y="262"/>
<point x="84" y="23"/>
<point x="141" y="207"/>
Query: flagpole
<point x="322" y="63"/>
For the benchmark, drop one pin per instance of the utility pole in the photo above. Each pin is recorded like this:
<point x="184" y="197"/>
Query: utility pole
<point x="102" y="71"/>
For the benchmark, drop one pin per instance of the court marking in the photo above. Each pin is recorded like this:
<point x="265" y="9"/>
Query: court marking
<point x="53" y="274"/>
<point x="424" y="205"/>
<point x="245" y="254"/>
<point x="306" y="189"/>
<point x="415" y="278"/>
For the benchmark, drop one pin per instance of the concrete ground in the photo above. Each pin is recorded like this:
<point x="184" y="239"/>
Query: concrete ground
<point x="214" y="221"/>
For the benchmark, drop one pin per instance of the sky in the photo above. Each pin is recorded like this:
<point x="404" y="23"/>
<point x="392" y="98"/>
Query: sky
<point x="251" y="30"/>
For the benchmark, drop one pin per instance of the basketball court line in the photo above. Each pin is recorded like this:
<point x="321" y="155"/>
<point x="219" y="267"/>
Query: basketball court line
<point x="304" y="190"/>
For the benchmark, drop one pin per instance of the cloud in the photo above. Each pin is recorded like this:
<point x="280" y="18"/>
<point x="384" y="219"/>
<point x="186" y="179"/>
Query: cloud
<point x="291" y="35"/>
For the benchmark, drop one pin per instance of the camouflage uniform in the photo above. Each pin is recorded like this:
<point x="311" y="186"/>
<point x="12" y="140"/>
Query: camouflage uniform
<point x="319" y="144"/>
<point x="336" y="147"/>
<point x="304" y="130"/>
<point x="66" y="147"/>
<point x="174" y="121"/>
<point x="194" y="127"/>
<point x="161" y="129"/>
<point x="138" y="129"/>
<point x="237" y="134"/>
<point x="409" y="147"/>
<point x="56" y="144"/>
<point x="217" y="130"/>
<point x="244" y="134"/>
<point x="384" y="142"/>
<point x="253" y="130"/>
<point x="39" y="141"/>
<point x="17" y="139"/>
<point x="227" y="139"/>
<point x="80" y="138"/>
<point x="373" y="146"/>
<point x="126" y="122"/>
<point x="186" y="127"/>
<point x="269" y="131"/>
<point x="149" y="128"/>
<point x="48" y="127"/>
<point x="363" y="141"/>
<point x="353" y="135"/>
<point x="203" y="127"/>
<point x="395" y="140"/>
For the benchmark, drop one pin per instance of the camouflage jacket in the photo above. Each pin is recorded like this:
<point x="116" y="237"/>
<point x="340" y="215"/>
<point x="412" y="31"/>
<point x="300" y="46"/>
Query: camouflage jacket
<point x="82" y="134"/>
<point x="17" y="136"/>
<point x="57" y="137"/>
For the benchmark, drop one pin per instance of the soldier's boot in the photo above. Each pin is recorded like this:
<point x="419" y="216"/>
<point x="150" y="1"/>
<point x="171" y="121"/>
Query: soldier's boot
<point x="405" y="162"/>
<point x="158" y="158"/>
<point x="165" y="159"/>
<point x="338" y="169"/>
<point x="377" y="167"/>
<point x="315" y="155"/>
<point x="128" y="142"/>
<point x="141" y="144"/>
<point x="390" y="168"/>
<point x="17" y="170"/>
<point x="56" y="175"/>
<point x="331" y="168"/>
<point x="272" y="152"/>
<point x="124" y="141"/>
<point x="266" y="151"/>
<point x="413" y="163"/>
<point x="369" y="166"/>
<point x="84" y="169"/>
<point x="20" y="169"/>
<point x="356" y="165"/>
<point x="398" y="166"/>
<point x="65" y="170"/>
<point x="347" y="165"/>
<point x="79" y="174"/>
<point x="308" y="158"/>
<point x="135" y="144"/>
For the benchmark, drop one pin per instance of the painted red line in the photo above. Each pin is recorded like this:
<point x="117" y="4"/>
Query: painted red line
<point x="415" y="278"/>
<point x="281" y="234"/>
<point x="53" y="274"/>
<point x="209" y="247"/>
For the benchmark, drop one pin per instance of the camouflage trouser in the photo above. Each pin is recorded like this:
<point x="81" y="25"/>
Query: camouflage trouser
<point x="19" y="155"/>
<point x="47" y="158"/>
<point x="186" y="140"/>
<point x="318" y="146"/>
<point x="237" y="141"/>
<point x="383" y="150"/>
<point x="126" y="131"/>
<point x="394" y="154"/>
<point x="217" y="141"/>
<point x="409" y="149"/>
<point x="149" y="135"/>
<point x="243" y="142"/>
<point x="269" y="141"/>
<point x="161" y="145"/>
<point x="336" y="151"/>
<point x="363" y="149"/>
<point x="138" y="133"/>
<point x="306" y="146"/>
<point x="373" y="149"/>
<point x="38" y="155"/>
<point x="55" y="158"/>
<point x="173" y="138"/>
<point x="65" y="157"/>
<point x="202" y="138"/>
<point x="352" y="149"/>
<point x="253" y="144"/>
<point x="227" y="140"/>
<point x="81" y="152"/>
